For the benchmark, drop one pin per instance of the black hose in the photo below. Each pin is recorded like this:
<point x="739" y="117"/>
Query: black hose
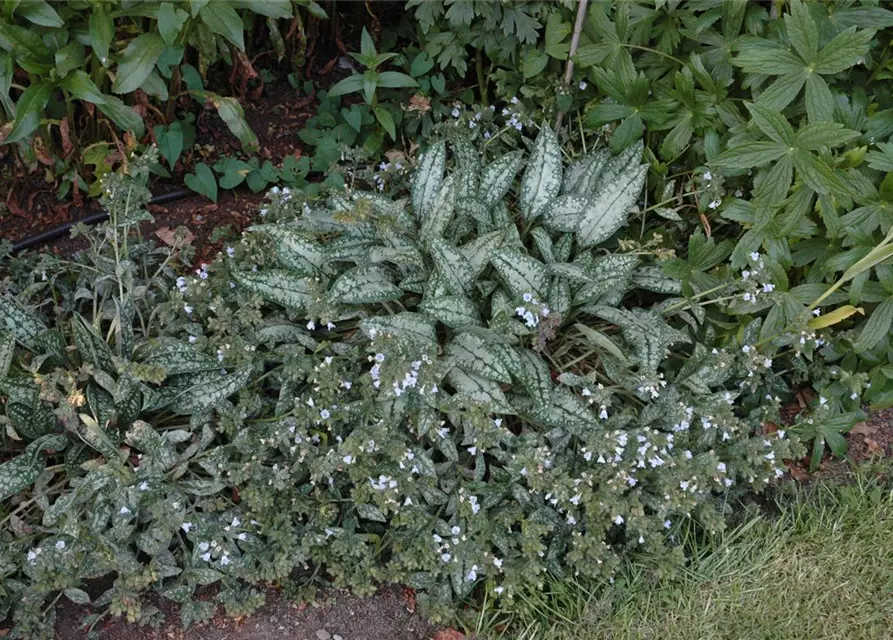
<point x="94" y="218"/>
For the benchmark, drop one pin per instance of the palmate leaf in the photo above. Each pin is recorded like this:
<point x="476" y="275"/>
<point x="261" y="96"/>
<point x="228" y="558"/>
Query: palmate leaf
<point x="646" y="332"/>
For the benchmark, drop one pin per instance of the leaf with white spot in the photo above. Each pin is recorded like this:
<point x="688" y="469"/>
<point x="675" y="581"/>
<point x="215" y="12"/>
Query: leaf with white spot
<point x="428" y="178"/>
<point x="281" y="287"/>
<point x="521" y="273"/>
<point x="609" y="207"/>
<point x="646" y="332"/>
<point x="456" y="312"/>
<point x="542" y="177"/>
<point x="498" y="177"/>
<point x="476" y="355"/>
<point x="408" y="326"/>
<point x="478" y="391"/>
<point x="364" y="285"/>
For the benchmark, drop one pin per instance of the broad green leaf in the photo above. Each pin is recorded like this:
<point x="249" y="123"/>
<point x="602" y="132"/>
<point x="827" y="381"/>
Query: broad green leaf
<point x="750" y="154"/>
<point x="25" y="325"/>
<point x="7" y="350"/>
<point x="565" y="212"/>
<point x="21" y="472"/>
<point x="395" y="80"/>
<point x="102" y="31"/>
<point x="92" y="347"/>
<point x="221" y="18"/>
<point x="440" y="212"/>
<point x="819" y="101"/>
<point x="203" y="181"/>
<point x="542" y="177"/>
<point x="40" y="13"/>
<point x="177" y="357"/>
<point x="28" y="46"/>
<point x="272" y="8"/>
<point x="612" y="272"/>
<point x="846" y="49"/>
<point x="170" y="21"/>
<point x="350" y="84"/>
<point x="456" y="312"/>
<point x="122" y="115"/>
<point x="802" y="30"/>
<point x="231" y="112"/>
<point x="79" y="85"/>
<point x="386" y="120"/>
<point x="293" y="249"/>
<point x="877" y="328"/>
<point x="29" y="109"/>
<point x="772" y="124"/>
<point x="281" y="287"/>
<point x="137" y="62"/>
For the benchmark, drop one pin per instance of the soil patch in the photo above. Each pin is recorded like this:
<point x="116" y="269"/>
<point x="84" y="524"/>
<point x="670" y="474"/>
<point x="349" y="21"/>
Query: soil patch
<point x="384" y="616"/>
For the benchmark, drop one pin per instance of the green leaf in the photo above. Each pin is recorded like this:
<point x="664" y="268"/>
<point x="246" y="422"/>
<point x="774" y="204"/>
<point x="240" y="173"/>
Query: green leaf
<point x="534" y="61"/>
<point x="749" y="154"/>
<point x="278" y="8"/>
<point x="542" y="177"/>
<point x="102" y="31"/>
<point x="767" y="57"/>
<point x="772" y="124"/>
<point x="606" y="273"/>
<point x="231" y="112"/>
<point x="79" y="85"/>
<point x="170" y="21"/>
<point x="202" y="181"/>
<point x="846" y="49"/>
<point x="367" y="46"/>
<point x="877" y="327"/>
<point x="91" y="346"/>
<point x="364" y="285"/>
<point x="281" y="287"/>
<point x="77" y="596"/>
<point x="428" y="179"/>
<point x="177" y="357"/>
<point x="69" y="57"/>
<point x="802" y="31"/>
<point x="441" y="211"/>
<point x="293" y="250"/>
<point x="819" y="101"/>
<point x="170" y="142"/>
<point x="40" y="13"/>
<point x="221" y="18"/>
<point x="21" y="472"/>
<point x="385" y="120"/>
<point x="28" y="45"/>
<point x="122" y="115"/>
<point x="370" y="512"/>
<point x="395" y="80"/>
<point x="350" y="84"/>
<point x="29" y="109"/>
<point x="824" y="134"/>
<point x="137" y="62"/>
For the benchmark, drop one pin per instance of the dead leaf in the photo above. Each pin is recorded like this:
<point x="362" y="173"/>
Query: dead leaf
<point x="409" y="594"/>
<point x="65" y="134"/>
<point x="420" y="104"/>
<point x="449" y="634"/>
<point x="169" y="236"/>
<point x="863" y="429"/>
<point x="873" y="446"/>
<point x="797" y="473"/>
<point x="41" y="152"/>
<point x="769" y="427"/>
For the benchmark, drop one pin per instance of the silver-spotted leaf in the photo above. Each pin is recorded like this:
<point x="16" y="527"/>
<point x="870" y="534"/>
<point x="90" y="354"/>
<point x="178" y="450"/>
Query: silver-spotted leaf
<point x="476" y="355"/>
<point x="452" y="265"/>
<point x="498" y="177"/>
<point x="619" y="188"/>
<point x="428" y="178"/>
<point x="542" y="177"/>
<point x="456" y="312"/>
<point x="480" y="391"/>
<point x="205" y="395"/>
<point x="411" y="327"/>
<point x="281" y="287"/>
<point x="297" y="253"/>
<point x="521" y="273"/>
<point x="364" y="285"/>
<point x="646" y="332"/>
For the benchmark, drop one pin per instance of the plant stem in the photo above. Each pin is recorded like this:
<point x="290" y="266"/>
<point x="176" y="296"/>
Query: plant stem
<point x="482" y="79"/>
<point x="575" y="43"/>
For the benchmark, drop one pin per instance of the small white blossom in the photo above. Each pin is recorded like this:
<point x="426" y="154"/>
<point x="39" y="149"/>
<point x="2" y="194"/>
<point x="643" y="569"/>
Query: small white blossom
<point x="60" y="544"/>
<point x="186" y="526"/>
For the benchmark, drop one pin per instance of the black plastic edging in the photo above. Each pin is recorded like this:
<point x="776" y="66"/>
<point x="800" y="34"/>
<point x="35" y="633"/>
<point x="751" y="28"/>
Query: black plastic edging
<point x="94" y="218"/>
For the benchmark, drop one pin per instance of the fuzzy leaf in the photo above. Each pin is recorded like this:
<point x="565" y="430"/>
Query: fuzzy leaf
<point x="277" y="286"/>
<point x="428" y="179"/>
<point x="476" y="355"/>
<point x="412" y="327"/>
<point x="205" y="395"/>
<point x="646" y="332"/>
<point x="521" y="274"/>
<point x="479" y="391"/>
<point x="498" y="177"/>
<point x="364" y="285"/>
<point x="611" y="202"/>
<point x="456" y="312"/>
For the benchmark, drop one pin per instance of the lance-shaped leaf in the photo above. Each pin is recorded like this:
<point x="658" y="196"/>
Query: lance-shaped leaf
<point x="542" y="177"/>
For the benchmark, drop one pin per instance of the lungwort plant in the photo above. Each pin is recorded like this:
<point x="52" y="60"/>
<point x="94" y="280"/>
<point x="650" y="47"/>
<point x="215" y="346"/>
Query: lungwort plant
<point x="459" y="390"/>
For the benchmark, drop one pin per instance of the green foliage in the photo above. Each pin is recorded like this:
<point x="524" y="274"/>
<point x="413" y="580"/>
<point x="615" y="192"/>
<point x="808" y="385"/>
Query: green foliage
<point x="439" y="390"/>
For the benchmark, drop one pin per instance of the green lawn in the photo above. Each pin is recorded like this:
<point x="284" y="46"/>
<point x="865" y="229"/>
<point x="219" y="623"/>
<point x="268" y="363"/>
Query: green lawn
<point x="822" y="569"/>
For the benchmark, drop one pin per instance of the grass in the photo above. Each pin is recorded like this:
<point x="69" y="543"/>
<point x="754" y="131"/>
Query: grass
<point x="821" y="569"/>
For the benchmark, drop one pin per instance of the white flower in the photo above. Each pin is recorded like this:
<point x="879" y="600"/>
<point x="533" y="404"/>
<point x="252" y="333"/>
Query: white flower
<point x="347" y="459"/>
<point x="143" y="486"/>
<point x="721" y="467"/>
<point x="499" y="590"/>
<point x="714" y="203"/>
<point x="618" y="520"/>
<point x="445" y="557"/>
<point x="746" y="348"/>
<point x="230" y="252"/>
<point x="823" y="401"/>
<point x="207" y="557"/>
<point x="347" y="384"/>
<point x="497" y="563"/>
<point x="124" y="511"/>
<point x="186" y="526"/>
<point x="768" y="287"/>
<point x="527" y="297"/>
<point x="473" y="574"/>
<point x="224" y="560"/>
<point x="455" y="530"/>
<point x="514" y="100"/>
<point x="203" y="546"/>
<point x="242" y="536"/>
<point x="311" y="326"/>
<point x="60" y="544"/>
<point x="455" y="113"/>
<point x="582" y="85"/>
<point x="32" y="556"/>
<point x="324" y="414"/>
<point x="187" y="308"/>
<point x="603" y="414"/>
<point x="667" y="524"/>
<point x="192" y="339"/>
<point x="330" y="326"/>
<point x="853" y="396"/>
<point x="816" y="312"/>
<point x="754" y="256"/>
<point x="708" y="175"/>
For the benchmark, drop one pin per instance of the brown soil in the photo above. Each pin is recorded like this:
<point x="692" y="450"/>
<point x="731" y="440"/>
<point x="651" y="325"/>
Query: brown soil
<point x="384" y="616"/>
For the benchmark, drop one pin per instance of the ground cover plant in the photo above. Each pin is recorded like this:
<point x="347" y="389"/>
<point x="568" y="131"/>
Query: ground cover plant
<point x="406" y="394"/>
